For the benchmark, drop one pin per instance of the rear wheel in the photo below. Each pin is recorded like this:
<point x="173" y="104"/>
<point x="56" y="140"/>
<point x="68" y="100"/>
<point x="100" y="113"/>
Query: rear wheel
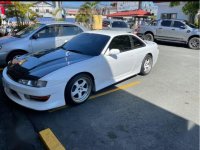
<point x="146" y="65"/>
<point x="148" y="37"/>
<point x="78" y="89"/>
<point x="194" y="43"/>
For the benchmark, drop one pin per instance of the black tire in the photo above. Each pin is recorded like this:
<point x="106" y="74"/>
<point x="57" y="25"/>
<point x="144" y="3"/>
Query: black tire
<point x="71" y="87"/>
<point x="193" y="43"/>
<point x="14" y="54"/>
<point x="143" y="71"/>
<point x="149" y="37"/>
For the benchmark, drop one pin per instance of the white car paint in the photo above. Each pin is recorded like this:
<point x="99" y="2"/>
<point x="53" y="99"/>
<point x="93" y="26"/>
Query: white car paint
<point x="105" y="69"/>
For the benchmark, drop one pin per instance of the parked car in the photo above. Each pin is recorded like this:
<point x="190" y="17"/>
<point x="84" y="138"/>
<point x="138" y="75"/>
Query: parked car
<point x="88" y="62"/>
<point x="171" y="30"/>
<point x="37" y="37"/>
<point x="116" y="25"/>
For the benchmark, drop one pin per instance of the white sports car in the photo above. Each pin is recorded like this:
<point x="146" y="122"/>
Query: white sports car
<point x="88" y="62"/>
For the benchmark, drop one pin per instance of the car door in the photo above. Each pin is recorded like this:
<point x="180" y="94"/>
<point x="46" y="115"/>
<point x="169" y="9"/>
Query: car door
<point x="67" y="32"/>
<point x="164" y="31"/>
<point x="138" y="52"/>
<point x="44" y="39"/>
<point x="179" y="30"/>
<point x="122" y="64"/>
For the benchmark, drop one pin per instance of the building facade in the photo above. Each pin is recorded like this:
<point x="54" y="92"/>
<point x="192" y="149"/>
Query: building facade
<point x="167" y="12"/>
<point x="43" y="9"/>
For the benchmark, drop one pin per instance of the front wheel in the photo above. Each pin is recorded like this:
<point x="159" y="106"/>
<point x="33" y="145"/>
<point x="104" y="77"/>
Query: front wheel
<point x="194" y="43"/>
<point x="13" y="55"/>
<point x="78" y="89"/>
<point x="146" y="65"/>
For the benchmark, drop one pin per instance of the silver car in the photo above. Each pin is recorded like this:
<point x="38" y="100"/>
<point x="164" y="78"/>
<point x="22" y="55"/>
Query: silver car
<point x="171" y="30"/>
<point x="37" y="37"/>
<point x="116" y="25"/>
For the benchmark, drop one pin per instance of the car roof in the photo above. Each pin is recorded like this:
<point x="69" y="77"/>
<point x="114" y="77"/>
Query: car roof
<point x="110" y="33"/>
<point x="63" y="22"/>
<point x="56" y="22"/>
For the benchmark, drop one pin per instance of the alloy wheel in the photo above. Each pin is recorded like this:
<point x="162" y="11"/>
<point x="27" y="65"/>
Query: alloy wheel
<point x="81" y="90"/>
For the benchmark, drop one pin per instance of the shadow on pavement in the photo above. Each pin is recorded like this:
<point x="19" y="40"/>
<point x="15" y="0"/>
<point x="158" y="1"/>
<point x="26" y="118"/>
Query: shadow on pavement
<point x="115" y="121"/>
<point x="172" y="44"/>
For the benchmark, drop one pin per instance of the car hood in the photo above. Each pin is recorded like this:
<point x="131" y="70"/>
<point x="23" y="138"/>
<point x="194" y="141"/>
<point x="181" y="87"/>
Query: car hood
<point x="37" y="65"/>
<point x="6" y="39"/>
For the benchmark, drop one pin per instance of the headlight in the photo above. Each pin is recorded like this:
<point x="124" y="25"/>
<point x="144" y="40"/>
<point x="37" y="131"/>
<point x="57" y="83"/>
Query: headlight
<point x="33" y="83"/>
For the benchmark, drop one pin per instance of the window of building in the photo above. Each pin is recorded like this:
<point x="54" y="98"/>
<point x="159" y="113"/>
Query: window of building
<point x="166" y="23"/>
<point x="36" y="10"/>
<point x="121" y="42"/>
<point x="168" y="16"/>
<point x="47" y="10"/>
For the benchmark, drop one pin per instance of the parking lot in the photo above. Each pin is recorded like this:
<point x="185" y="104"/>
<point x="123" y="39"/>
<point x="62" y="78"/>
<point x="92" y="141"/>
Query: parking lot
<point x="159" y="111"/>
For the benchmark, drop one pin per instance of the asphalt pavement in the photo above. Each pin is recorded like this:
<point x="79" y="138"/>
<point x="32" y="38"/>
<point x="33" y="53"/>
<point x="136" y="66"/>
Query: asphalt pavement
<point x="161" y="112"/>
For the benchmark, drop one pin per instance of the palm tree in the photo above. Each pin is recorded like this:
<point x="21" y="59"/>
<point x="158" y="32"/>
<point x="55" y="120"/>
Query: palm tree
<point x="85" y="13"/>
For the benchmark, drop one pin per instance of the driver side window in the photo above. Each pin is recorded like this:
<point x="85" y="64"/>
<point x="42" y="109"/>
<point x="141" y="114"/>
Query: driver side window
<point x="178" y="24"/>
<point x="121" y="42"/>
<point x="47" y="32"/>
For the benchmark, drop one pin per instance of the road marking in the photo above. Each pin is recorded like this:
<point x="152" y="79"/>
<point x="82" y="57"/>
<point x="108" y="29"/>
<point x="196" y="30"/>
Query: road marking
<point x="116" y="89"/>
<point x="103" y="93"/>
<point x="50" y="140"/>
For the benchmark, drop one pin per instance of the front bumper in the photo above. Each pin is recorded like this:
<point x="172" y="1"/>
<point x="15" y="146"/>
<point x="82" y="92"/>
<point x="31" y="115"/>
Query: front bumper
<point x="16" y="92"/>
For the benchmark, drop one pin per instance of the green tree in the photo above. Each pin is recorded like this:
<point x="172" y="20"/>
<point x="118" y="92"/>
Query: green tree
<point x="56" y="11"/>
<point x="190" y="8"/>
<point x="85" y="13"/>
<point x="21" y="11"/>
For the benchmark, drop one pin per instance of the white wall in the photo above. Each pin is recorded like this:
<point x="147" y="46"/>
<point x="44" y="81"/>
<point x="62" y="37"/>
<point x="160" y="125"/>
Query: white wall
<point x="163" y="7"/>
<point x="42" y="9"/>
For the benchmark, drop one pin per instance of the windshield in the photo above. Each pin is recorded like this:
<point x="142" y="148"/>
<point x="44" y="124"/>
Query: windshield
<point x="87" y="44"/>
<point x="119" y="24"/>
<point x="28" y="30"/>
<point x="190" y="25"/>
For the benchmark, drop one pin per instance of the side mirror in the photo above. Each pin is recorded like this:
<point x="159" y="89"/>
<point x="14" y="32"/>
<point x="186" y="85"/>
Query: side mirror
<point x="114" y="52"/>
<point x="183" y="27"/>
<point x="35" y="36"/>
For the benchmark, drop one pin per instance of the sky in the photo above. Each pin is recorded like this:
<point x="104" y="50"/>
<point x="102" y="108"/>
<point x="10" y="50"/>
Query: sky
<point x="78" y="4"/>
